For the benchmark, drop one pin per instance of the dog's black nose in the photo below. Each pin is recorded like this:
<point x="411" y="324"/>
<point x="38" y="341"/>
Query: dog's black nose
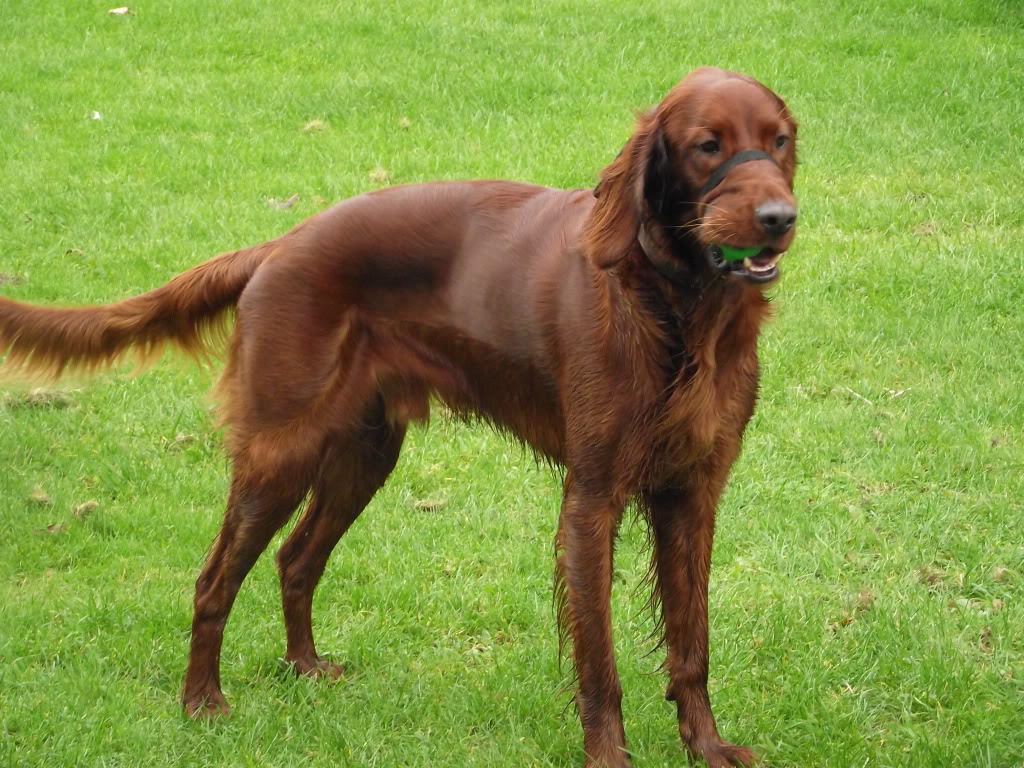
<point x="776" y="217"/>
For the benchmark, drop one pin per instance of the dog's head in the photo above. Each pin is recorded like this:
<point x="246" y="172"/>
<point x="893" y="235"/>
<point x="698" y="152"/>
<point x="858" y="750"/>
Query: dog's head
<point x="705" y="184"/>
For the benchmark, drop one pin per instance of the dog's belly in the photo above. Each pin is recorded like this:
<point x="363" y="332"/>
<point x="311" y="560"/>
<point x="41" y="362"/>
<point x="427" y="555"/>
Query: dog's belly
<point x="476" y="380"/>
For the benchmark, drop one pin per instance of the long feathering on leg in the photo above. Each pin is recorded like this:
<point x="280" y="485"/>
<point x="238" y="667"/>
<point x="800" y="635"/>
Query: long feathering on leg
<point x="560" y="596"/>
<point x="653" y="604"/>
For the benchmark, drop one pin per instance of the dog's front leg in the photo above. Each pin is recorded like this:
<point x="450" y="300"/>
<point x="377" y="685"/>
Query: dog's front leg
<point x="683" y="521"/>
<point x="586" y="533"/>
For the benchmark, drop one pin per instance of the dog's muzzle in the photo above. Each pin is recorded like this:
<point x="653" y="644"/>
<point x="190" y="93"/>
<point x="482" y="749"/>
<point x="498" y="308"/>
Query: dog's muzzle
<point x="758" y="265"/>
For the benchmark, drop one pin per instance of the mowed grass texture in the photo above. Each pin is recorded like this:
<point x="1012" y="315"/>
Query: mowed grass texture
<point x="867" y="596"/>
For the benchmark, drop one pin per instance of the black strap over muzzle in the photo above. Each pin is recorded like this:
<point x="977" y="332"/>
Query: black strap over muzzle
<point x="670" y="271"/>
<point x="746" y="156"/>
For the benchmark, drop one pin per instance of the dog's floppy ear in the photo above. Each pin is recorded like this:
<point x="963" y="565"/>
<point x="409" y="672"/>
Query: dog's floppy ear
<point x="658" y="177"/>
<point x="640" y="173"/>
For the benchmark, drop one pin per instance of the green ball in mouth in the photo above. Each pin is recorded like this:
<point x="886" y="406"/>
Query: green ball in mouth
<point x="738" y="254"/>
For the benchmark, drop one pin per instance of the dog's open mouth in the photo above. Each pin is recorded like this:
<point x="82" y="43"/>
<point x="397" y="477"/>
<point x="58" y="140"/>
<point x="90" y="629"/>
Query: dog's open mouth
<point x="759" y="267"/>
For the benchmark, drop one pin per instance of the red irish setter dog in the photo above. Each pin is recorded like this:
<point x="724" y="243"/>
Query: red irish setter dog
<point x="613" y="330"/>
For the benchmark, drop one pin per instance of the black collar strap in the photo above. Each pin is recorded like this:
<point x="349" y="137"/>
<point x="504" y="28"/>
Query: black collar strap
<point x="746" y="156"/>
<point x="665" y="268"/>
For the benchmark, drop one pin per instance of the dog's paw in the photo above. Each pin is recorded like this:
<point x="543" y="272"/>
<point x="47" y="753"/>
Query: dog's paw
<point x="722" y="754"/>
<point x="318" y="667"/>
<point x="207" y="705"/>
<point x="618" y="761"/>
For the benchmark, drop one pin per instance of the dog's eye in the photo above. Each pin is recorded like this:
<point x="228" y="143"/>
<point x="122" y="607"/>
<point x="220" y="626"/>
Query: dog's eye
<point x="710" y="147"/>
<point x="781" y="141"/>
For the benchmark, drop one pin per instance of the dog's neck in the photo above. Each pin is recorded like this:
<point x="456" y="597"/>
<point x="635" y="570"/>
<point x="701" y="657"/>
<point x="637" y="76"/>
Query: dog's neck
<point x="690" y="303"/>
<point x="666" y="266"/>
<point x="677" y="259"/>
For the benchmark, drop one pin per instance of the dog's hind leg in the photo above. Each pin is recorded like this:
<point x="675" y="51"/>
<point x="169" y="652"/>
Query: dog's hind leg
<point x="256" y="511"/>
<point x="289" y="375"/>
<point x="351" y="471"/>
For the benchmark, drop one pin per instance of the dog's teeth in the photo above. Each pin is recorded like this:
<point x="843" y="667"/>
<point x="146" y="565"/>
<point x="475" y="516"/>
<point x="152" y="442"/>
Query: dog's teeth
<point x="765" y="267"/>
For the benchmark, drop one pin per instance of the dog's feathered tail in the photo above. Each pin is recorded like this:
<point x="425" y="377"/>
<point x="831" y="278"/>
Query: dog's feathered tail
<point x="187" y="312"/>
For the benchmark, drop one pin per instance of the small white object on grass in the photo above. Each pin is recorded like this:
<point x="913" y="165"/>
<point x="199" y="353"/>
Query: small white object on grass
<point x="282" y="204"/>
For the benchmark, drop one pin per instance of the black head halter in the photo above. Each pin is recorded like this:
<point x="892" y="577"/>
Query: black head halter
<point x="746" y="156"/>
<point x="667" y="269"/>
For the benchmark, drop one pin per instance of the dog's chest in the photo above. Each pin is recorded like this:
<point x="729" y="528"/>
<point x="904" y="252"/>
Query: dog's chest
<point x="713" y="393"/>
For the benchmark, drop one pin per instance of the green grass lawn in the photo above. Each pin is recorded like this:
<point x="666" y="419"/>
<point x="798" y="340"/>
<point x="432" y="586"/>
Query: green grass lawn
<point x="867" y="598"/>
